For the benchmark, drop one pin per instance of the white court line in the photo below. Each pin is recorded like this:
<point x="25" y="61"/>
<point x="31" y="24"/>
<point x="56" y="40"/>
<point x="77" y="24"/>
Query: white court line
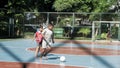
<point x="63" y="64"/>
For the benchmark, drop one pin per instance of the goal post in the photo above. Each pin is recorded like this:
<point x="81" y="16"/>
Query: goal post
<point x="101" y="29"/>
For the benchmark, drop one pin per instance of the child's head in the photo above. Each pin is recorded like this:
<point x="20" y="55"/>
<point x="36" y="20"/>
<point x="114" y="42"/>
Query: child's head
<point x="50" y="26"/>
<point x="41" y="28"/>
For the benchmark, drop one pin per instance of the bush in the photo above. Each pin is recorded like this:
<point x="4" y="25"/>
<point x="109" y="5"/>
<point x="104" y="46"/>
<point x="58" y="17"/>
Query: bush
<point x="104" y="36"/>
<point x="84" y="31"/>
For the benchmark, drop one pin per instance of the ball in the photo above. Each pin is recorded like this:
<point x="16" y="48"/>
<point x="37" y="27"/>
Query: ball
<point x="62" y="58"/>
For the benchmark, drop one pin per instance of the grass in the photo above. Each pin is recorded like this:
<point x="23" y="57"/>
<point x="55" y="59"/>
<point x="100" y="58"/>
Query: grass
<point x="76" y="38"/>
<point x="9" y="39"/>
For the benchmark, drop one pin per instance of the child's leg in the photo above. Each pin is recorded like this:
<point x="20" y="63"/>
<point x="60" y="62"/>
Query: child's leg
<point x="36" y="51"/>
<point x="47" y="51"/>
<point x="42" y="52"/>
<point x="44" y="48"/>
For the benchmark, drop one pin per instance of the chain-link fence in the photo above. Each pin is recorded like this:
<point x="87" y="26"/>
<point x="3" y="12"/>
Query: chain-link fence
<point x="11" y="27"/>
<point x="3" y="26"/>
<point x="67" y="24"/>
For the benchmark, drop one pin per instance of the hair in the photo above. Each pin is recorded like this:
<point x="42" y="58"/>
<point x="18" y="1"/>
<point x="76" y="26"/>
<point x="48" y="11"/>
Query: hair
<point x="41" y="26"/>
<point x="50" y="24"/>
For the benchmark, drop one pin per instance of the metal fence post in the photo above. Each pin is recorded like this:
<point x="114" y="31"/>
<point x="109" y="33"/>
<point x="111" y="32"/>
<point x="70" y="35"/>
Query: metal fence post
<point x="48" y="14"/>
<point x="119" y="32"/>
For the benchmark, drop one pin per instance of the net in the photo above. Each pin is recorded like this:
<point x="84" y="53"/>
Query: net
<point x="105" y="36"/>
<point x="105" y="30"/>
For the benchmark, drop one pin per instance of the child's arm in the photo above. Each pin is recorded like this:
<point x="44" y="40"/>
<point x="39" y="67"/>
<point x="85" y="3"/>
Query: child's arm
<point x="43" y="33"/>
<point x="53" y="38"/>
<point x="34" y="37"/>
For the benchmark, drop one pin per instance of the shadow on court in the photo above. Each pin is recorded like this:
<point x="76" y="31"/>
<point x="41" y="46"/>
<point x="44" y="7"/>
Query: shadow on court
<point x="17" y="58"/>
<point x="89" y="52"/>
<point x="25" y="65"/>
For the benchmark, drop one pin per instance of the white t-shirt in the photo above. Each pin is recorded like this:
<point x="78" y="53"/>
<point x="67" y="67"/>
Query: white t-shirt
<point x="48" y="35"/>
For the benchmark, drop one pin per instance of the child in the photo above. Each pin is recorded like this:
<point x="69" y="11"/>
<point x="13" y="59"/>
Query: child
<point x="38" y="37"/>
<point x="47" y="40"/>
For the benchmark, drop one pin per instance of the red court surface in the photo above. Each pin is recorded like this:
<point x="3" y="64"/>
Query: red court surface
<point x="31" y="65"/>
<point x="84" y="50"/>
<point x="104" y="42"/>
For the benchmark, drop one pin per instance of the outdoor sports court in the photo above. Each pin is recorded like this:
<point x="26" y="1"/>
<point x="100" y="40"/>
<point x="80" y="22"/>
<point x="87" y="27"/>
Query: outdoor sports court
<point x="19" y="53"/>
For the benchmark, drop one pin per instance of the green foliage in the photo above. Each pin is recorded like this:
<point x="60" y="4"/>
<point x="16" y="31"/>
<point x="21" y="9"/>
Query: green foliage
<point x="101" y="36"/>
<point x="84" y="31"/>
<point x="114" y="32"/>
<point x="93" y="6"/>
<point x="83" y="5"/>
<point x="63" y="21"/>
<point x="16" y="8"/>
<point x="98" y="37"/>
<point x="2" y="13"/>
<point x="104" y="36"/>
<point x="21" y="6"/>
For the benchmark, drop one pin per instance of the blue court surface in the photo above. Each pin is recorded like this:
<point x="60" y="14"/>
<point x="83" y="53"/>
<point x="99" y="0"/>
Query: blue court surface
<point x="16" y="51"/>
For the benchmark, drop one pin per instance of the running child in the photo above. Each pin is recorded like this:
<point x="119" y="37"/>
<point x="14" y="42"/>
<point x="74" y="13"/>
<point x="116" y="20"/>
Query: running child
<point x="47" y="40"/>
<point x="38" y="37"/>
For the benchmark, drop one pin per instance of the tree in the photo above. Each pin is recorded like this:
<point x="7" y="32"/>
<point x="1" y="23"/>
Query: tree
<point x="14" y="9"/>
<point x="88" y="6"/>
<point x="83" y="5"/>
